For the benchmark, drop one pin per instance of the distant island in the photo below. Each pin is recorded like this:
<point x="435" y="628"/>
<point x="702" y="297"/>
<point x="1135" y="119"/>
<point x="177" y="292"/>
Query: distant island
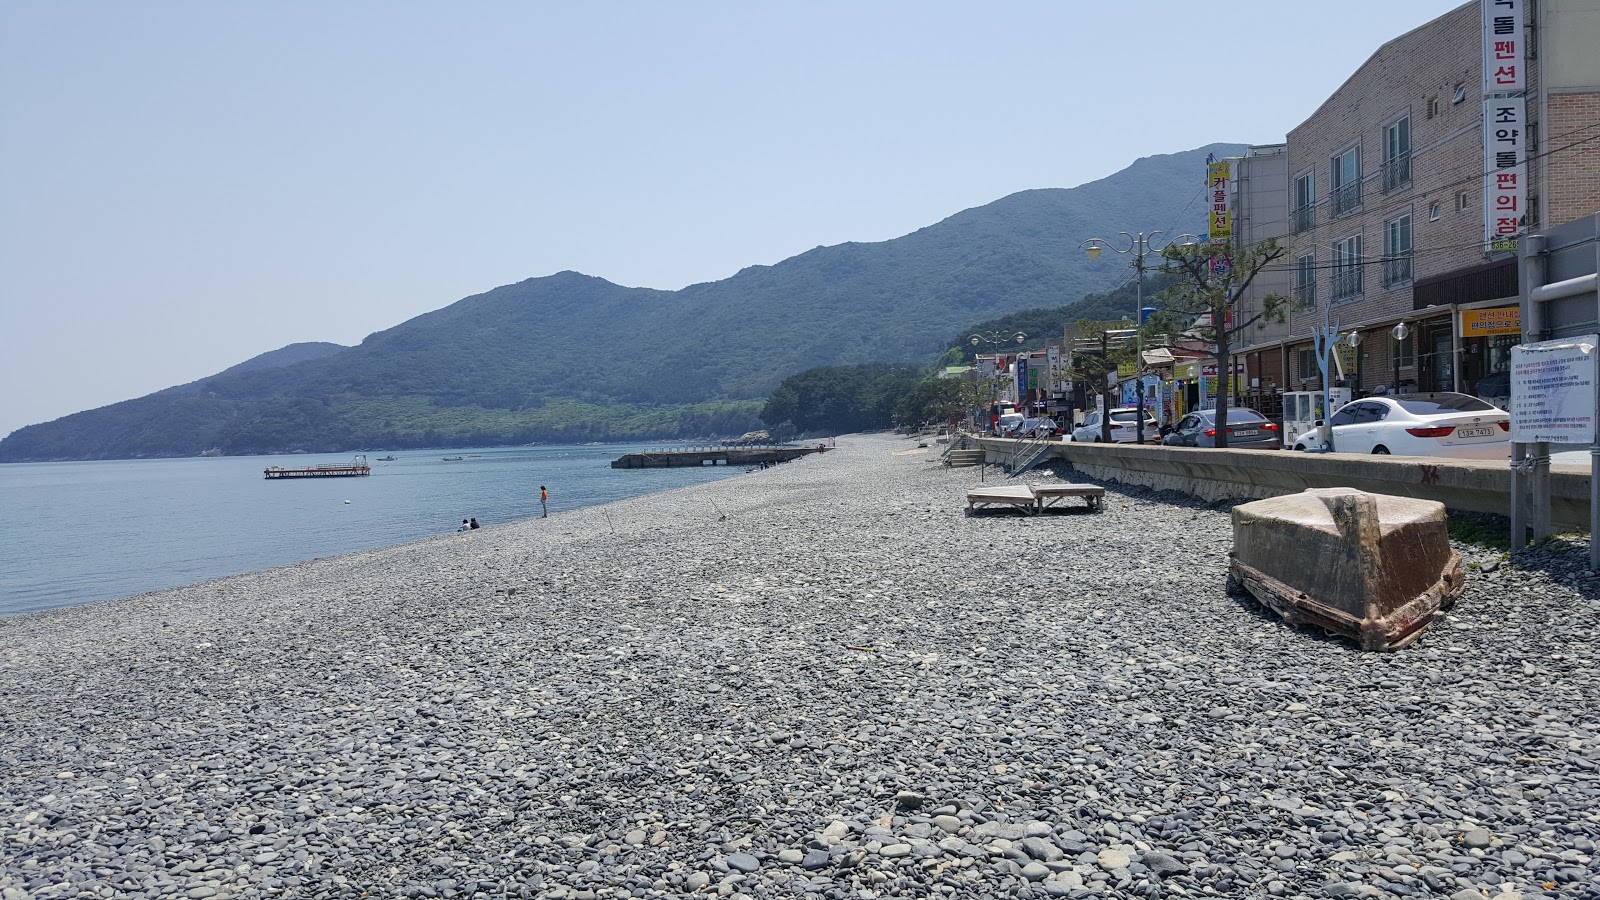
<point x="572" y="358"/>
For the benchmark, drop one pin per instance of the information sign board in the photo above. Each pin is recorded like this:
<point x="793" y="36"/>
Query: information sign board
<point x="1553" y="391"/>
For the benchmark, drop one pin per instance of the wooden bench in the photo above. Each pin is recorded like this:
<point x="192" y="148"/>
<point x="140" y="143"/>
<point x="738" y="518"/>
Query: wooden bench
<point x="1017" y="496"/>
<point x="1034" y="498"/>
<point x="1050" y="494"/>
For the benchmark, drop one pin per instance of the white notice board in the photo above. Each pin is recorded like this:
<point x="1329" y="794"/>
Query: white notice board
<point x="1553" y="391"/>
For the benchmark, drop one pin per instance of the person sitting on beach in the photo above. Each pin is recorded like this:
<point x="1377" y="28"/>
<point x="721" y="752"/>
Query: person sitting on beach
<point x="465" y="526"/>
<point x="474" y="522"/>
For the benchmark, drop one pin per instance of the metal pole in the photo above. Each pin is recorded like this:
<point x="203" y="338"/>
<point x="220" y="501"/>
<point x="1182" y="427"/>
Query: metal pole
<point x="1138" y="338"/>
<point x="1533" y="274"/>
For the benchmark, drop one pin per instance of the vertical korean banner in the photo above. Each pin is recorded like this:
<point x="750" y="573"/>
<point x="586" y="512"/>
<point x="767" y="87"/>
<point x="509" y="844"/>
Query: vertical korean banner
<point x="1505" y="124"/>
<point x="1505" y="187"/>
<point x="1503" y="53"/>
<point x="1219" y="224"/>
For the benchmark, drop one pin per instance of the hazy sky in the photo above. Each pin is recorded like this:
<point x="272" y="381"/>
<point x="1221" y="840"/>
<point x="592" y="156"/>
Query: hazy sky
<point x="186" y="185"/>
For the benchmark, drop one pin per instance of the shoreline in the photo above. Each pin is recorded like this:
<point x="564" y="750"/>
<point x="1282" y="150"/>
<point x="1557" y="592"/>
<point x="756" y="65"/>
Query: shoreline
<point x="822" y="678"/>
<point x="68" y="570"/>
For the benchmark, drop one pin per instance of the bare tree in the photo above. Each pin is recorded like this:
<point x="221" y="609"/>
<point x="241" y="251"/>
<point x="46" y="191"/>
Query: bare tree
<point x="1211" y="276"/>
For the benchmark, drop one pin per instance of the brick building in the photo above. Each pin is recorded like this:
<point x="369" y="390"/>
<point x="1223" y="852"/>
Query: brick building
<point x="1386" y="203"/>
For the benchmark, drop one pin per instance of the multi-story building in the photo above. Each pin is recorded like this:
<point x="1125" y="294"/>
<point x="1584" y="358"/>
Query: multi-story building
<point x="1259" y="200"/>
<point x="1387" y="182"/>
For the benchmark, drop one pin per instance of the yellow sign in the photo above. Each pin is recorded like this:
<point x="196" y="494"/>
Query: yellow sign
<point x="1126" y="370"/>
<point x="1347" y="358"/>
<point x="1487" y="322"/>
<point x="1186" y="372"/>
<point x="1219" y="225"/>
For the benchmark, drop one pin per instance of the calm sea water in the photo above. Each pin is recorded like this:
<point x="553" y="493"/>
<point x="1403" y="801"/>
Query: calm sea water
<point x="78" y="532"/>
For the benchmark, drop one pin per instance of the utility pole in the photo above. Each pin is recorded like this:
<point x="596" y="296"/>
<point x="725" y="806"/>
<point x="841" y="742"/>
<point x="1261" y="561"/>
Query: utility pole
<point x="1105" y="402"/>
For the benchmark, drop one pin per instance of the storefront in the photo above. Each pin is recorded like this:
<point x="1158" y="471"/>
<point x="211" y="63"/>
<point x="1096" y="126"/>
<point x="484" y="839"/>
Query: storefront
<point x="1487" y="336"/>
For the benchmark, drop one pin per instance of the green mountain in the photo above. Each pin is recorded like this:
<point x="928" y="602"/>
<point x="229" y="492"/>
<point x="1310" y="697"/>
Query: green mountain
<point x="570" y="357"/>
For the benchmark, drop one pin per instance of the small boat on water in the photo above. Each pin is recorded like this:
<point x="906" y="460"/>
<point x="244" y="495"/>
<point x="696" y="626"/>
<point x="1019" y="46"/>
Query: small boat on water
<point x="386" y="459"/>
<point x="356" y="468"/>
<point x="453" y="458"/>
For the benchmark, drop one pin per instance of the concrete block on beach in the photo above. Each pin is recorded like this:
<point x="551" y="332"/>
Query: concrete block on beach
<point x="744" y="683"/>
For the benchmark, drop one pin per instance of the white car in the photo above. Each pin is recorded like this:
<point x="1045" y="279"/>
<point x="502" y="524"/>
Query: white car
<point x="1124" y="427"/>
<point x="1438" y="424"/>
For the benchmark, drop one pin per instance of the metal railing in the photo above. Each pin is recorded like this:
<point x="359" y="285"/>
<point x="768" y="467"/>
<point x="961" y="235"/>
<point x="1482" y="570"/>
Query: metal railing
<point x="1306" y="294"/>
<point x="1345" y="198"/>
<point x="1303" y="218"/>
<point x="1346" y="283"/>
<point x="1397" y="172"/>
<point x="1397" y="269"/>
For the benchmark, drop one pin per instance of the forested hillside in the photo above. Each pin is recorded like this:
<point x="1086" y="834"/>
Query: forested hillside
<point x="571" y="357"/>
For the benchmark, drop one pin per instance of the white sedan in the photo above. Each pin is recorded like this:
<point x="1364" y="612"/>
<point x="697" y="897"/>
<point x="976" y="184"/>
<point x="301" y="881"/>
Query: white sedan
<point x="1124" y="427"/>
<point x="1437" y="424"/>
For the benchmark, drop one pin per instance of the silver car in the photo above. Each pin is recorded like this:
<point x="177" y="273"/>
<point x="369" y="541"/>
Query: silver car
<point x="1247" y="429"/>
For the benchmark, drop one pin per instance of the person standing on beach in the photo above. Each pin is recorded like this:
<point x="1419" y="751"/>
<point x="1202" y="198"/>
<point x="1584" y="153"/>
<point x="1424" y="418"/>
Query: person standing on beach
<point x="544" y="501"/>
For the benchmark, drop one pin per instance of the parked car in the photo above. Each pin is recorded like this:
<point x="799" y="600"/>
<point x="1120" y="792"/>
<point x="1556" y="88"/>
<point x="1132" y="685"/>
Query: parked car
<point x="1444" y="423"/>
<point x="1246" y="429"/>
<point x="1124" y="426"/>
<point x="1042" y="426"/>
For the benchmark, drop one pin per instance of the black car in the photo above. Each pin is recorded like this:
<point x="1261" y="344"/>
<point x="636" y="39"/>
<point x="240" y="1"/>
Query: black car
<point x="1247" y="429"/>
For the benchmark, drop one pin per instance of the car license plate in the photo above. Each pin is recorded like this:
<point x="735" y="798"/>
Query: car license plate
<point x="1248" y="432"/>
<point x="1474" y="432"/>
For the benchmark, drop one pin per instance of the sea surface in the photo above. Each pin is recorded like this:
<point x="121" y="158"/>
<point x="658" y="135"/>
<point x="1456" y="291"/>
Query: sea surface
<point x="77" y="532"/>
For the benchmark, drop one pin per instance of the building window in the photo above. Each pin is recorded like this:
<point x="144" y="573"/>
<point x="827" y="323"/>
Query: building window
<point x="1402" y="350"/>
<point x="1397" y="155"/>
<point x="1305" y="203"/>
<point x="1347" y="268"/>
<point x="1397" y="250"/>
<point x="1305" y="280"/>
<point x="1433" y="107"/>
<point x="1460" y="94"/>
<point x="1307" y="363"/>
<point x="1461" y="201"/>
<point x="1434" y="213"/>
<point x="1346" y="177"/>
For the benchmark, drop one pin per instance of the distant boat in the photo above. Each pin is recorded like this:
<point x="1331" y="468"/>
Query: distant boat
<point x="454" y="458"/>
<point x="385" y="459"/>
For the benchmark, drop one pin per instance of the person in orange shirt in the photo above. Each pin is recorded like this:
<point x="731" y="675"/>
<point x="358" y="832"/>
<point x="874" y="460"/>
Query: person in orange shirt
<point x="544" y="501"/>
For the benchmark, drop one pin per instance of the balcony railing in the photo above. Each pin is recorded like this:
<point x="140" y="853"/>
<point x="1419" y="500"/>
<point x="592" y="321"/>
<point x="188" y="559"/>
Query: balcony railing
<point x="1345" y="198"/>
<point x="1397" y="268"/>
<point x="1397" y="172"/>
<point x="1346" y="283"/>
<point x="1306" y="294"/>
<point x="1303" y="218"/>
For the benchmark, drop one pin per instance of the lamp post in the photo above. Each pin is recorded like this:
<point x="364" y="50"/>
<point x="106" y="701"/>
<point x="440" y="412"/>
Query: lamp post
<point x="1400" y="332"/>
<point x="996" y="340"/>
<point x="1138" y="245"/>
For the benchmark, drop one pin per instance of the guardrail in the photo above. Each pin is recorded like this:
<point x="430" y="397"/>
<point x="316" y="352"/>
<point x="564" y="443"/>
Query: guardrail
<point x="1471" y="485"/>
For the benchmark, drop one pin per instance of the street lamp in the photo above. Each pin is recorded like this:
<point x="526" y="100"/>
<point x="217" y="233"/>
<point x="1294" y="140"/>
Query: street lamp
<point x="1138" y="245"/>
<point x="1400" y="332"/>
<point x="995" y="340"/>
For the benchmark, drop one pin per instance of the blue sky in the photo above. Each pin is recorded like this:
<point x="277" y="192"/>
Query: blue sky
<point x="186" y="185"/>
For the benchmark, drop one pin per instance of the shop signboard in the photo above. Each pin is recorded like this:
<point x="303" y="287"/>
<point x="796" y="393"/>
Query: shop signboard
<point x="1219" y="223"/>
<point x="1208" y="381"/>
<point x="1503" y="52"/>
<point x="1505" y="164"/>
<point x="1553" y="391"/>
<point x="1490" y="322"/>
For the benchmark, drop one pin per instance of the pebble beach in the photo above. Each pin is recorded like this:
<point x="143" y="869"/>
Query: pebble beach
<point x="820" y="680"/>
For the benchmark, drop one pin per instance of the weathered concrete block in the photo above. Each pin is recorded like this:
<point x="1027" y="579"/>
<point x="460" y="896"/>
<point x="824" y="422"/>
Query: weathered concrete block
<point x="1372" y="567"/>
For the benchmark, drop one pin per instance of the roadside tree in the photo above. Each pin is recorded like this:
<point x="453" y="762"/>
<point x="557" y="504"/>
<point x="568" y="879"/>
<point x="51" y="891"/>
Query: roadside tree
<point x="1211" y="275"/>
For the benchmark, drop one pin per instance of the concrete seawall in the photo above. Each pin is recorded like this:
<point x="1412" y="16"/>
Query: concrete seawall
<point x="1471" y="485"/>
